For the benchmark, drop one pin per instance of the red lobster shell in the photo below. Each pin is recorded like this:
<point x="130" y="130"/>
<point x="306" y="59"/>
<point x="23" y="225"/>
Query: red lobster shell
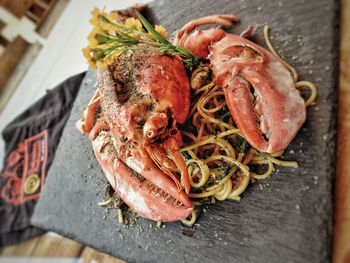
<point x="259" y="90"/>
<point x="143" y="96"/>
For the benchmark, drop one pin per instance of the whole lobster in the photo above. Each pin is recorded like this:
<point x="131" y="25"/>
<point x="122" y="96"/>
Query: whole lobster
<point x="132" y="118"/>
<point x="135" y="138"/>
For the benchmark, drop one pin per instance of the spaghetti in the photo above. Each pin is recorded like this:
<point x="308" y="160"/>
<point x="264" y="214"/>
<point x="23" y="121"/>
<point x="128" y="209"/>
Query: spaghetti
<point x="220" y="161"/>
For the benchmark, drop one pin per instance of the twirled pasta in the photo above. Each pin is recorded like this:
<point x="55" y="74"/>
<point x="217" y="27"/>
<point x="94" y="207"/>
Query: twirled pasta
<point x="221" y="163"/>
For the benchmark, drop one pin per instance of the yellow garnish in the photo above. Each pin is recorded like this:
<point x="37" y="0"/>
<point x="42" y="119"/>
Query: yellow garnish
<point x="113" y="15"/>
<point x="92" y="37"/>
<point x="87" y="55"/>
<point x="162" y="31"/>
<point x="101" y="63"/>
<point x="94" y="19"/>
<point x="111" y="36"/>
<point x="110" y="58"/>
<point x="133" y="24"/>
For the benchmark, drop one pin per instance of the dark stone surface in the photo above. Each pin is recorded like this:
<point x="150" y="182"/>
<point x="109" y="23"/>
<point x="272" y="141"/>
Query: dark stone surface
<point x="287" y="217"/>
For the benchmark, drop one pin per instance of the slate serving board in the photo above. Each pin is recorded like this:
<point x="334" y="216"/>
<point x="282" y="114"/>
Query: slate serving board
<point x="287" y="217"/>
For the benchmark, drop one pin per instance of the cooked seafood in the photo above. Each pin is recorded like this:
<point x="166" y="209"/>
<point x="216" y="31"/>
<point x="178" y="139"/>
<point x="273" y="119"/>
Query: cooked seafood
<point x="259" y="90"/>
<point x="144" y="96"/>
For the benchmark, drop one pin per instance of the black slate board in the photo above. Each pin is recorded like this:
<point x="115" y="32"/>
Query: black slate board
<point x="287" y="217"/>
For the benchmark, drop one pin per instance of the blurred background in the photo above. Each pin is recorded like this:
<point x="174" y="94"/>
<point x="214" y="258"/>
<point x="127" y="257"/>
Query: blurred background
<point x="40" y="46"/>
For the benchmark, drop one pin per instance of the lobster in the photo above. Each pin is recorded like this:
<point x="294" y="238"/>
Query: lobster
<point x="259" y="90"/>
<point x="132" y="119"/>
<point x="142" y="97"/>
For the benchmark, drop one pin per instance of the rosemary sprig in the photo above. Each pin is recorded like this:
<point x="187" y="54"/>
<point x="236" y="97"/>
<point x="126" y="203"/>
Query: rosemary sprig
<point x="166" y="47"/>
<point x="111" y="37"/>
<point x="150" y="28"/>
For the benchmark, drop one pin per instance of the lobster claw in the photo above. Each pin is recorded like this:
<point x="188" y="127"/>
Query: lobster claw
<point x="149" y="192"/>
<point x="259" y="89"/>
<point x="260" y="93"/>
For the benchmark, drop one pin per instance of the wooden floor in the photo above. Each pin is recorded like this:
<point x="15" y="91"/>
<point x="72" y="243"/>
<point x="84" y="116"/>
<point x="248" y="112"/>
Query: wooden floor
<point x="50" y="245"/>
<point x="54" y="246"/>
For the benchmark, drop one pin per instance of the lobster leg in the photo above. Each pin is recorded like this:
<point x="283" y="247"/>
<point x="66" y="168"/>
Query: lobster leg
<point x="87" y="122"/>
<point x="247" y="33"/>
<point x="156" y="125"/>
<point x="98" y="127"/>
<point x="198" y="41"/>
<point x="223" y="20"/>
<point x="172" y="147"/>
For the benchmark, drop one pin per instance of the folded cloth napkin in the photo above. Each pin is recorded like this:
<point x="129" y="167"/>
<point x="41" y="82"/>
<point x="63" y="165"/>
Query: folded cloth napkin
<point x="31" y="141"/>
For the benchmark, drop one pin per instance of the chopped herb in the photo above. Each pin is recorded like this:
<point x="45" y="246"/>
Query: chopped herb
<point x="188" y="231"/>
<point x="196" y="190"/>
<point x="223" y="113"/>
<point x="225" y="168"/>
<point x="220" y="177"/>
<point x="241" y="144"/>
<point x="206" y="200"/>
<point x="186" y="156"/>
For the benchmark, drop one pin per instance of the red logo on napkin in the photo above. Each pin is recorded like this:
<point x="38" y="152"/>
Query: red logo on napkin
<point x="25" y="170"/>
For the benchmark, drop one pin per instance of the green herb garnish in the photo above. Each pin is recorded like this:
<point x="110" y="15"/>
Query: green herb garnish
<point x="113" y="35"/>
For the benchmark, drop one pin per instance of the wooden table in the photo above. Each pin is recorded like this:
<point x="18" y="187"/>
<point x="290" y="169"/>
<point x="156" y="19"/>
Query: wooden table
<point x="50" y="245"/>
